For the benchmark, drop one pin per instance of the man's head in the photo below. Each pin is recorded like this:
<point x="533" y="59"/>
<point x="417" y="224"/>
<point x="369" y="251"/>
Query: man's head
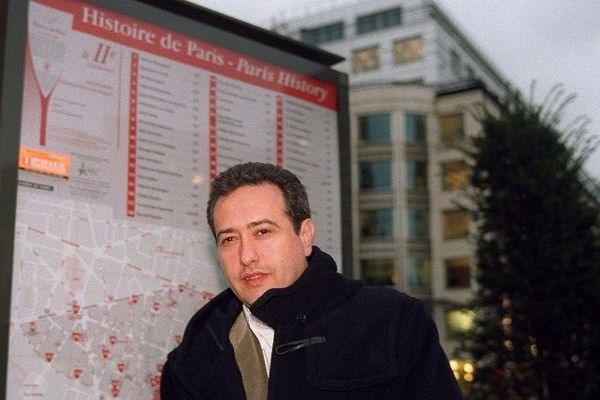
<point x="261" y="221"/>
<point x="255" y="173"/>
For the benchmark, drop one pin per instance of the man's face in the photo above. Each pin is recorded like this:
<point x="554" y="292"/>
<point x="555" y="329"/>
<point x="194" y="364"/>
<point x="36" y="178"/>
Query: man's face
<point x="256" y="242"/>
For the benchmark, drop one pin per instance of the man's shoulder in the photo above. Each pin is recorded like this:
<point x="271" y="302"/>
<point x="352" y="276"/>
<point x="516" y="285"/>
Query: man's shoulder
<point x="373" y="303"/>
<point x="222" y="300"/>
<point x="219" y="310"/>
<point x="379" y="295"/>
<point x="221" y="303"/>
<point x="205" y="337"/>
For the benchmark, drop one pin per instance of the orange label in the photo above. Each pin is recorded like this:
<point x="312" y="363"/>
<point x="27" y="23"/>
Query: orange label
<point x="44" y="161"/>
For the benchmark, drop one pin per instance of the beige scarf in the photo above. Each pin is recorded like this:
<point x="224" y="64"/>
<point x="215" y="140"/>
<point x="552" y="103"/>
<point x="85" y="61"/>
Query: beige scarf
<point x="249" y="358"/>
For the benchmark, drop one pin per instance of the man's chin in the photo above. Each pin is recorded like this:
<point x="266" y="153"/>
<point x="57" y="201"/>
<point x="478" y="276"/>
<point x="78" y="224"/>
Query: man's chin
<point x="250" y="298"/>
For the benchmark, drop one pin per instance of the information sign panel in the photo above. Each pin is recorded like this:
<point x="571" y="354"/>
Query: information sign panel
<point x="124" y="124"/>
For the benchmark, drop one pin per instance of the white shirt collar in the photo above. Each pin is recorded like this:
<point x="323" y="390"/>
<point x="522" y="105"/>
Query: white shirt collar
<point x="264" y="333"/>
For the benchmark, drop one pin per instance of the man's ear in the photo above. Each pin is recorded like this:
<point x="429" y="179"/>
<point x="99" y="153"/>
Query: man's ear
<point x="307" y="234"/>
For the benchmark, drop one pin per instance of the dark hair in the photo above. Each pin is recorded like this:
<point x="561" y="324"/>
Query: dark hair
<point x="256" y="173"/>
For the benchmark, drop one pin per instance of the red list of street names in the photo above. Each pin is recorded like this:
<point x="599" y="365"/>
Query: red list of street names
<point x="131" y="171"/>
<point x="151" y="116"/>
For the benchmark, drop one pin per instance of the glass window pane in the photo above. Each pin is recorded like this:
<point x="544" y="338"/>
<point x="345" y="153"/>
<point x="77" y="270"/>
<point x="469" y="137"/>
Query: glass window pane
<point x="376" y="175"/>
<point x="374" y="128"/>
<point x="376" y="223"/>
<point x="416" y="175"/>
<point x="378" y="271"/>
<point x="415" y="127"/>
<point x="309" y="36"/>
<point x="458" y="273"/>
<point x="459" y="322"/>
<point x="395" y="16"/>
<point x="451" y="127"/>
<point x="323" y="34"/>
<point x="364" y="60"/>
<point x="455" y="176"/>
<point x="455" y="224"/>
<point x="417" y="224"/>
<point x="419" y="272"/>
<point x="379" y="20"/>
<point x="408" y="50"/>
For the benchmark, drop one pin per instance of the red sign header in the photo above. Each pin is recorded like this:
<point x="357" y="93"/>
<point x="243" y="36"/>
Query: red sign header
<point x="153" y="39"/>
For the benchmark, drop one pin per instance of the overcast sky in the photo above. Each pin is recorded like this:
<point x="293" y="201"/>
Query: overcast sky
<point x="549" y="41"/>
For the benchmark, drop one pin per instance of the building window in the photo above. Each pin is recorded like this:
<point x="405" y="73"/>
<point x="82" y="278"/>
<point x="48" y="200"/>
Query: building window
<point x="379" y="20"/>
<point x="408" y="50"/>
<point x="451" y="127"/>
<point x="416" y="175"/>
<point x="367" y="59"/>
<point x="417" y="224"/>
<point x="378" y="271"/>
<point x="323" y="34"/>
<point x="376" y="224"/>
<point x="459" y="322"/>
<point x="455" y="224"/>
<point x="374" y="128"/>
<point x="376" y="176"/>
<point x="415" y="128"/>
<point x="458" y="273"/>
<point x="455" y="176"/>
<point x="419" y="272"/>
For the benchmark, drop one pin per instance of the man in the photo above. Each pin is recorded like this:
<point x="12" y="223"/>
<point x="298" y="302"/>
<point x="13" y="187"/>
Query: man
<point x="290" y="327"/>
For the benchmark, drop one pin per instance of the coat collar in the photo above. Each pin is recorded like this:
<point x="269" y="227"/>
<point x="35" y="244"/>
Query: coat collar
<point x="318" y="289"/>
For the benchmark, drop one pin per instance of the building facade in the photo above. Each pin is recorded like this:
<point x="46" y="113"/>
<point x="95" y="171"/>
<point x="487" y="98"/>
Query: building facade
<point x="395" y="41"/>
<point x="416" y="84"/>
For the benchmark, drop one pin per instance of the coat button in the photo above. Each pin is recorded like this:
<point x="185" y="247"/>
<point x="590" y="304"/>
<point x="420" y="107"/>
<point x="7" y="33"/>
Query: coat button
<point x="301" y="318"/>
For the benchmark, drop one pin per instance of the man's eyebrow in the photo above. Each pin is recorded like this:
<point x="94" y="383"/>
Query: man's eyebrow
<point x="223" y="231"/>
<point x="262" y="221"/>
<point x="250" y="225"/>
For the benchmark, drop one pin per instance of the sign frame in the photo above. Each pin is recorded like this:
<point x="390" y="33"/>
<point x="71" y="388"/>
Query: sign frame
<point x="182" y="17"/>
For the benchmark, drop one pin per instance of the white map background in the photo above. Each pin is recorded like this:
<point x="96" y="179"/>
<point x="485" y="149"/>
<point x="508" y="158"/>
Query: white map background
<point x="98" y="302"/>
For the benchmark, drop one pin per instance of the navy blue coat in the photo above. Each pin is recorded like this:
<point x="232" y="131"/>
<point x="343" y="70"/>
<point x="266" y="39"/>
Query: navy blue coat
<point x="334" y="339"/>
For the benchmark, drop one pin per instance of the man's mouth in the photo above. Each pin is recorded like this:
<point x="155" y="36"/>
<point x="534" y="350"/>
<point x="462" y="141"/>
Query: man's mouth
<point x="254" y="279"/>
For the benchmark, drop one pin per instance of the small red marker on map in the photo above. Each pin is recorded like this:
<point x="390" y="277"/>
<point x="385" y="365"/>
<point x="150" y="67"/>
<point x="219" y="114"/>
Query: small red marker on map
<point x="77" y="372"/>
<point x="49" y="357"/>
<point x="112" y="339"/>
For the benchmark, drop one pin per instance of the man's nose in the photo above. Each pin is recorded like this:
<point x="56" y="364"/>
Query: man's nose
<point x="248" y="254"/>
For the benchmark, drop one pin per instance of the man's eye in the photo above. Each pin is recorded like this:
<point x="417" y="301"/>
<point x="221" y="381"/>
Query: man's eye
<point x="262" y="232"/>
<point x="227" y="240"/>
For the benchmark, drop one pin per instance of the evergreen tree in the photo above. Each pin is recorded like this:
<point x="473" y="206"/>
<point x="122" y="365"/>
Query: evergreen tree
<point x="537" y="330"/>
